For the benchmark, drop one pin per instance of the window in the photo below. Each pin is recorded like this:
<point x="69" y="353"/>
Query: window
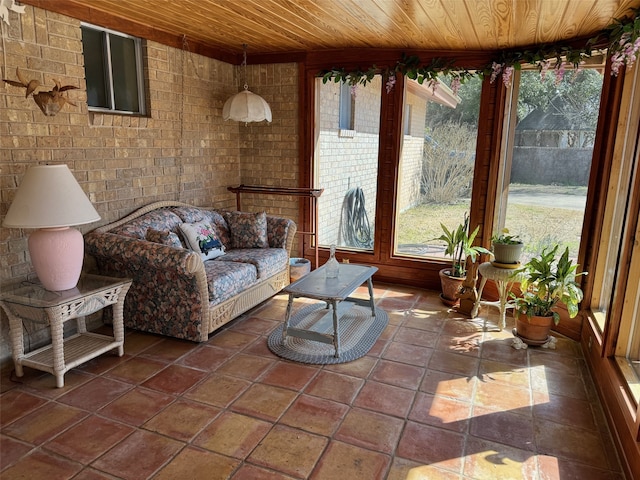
<point x="617" y="272"/>
<point x="347" y="101"/>
<point x="627" y="350"/>
<point x="437" y="164"/>
<point x="113" y="69"/>
<point x="547" y="160"/>
<point x="346" y="166"/>
<point x="407" y="119"/>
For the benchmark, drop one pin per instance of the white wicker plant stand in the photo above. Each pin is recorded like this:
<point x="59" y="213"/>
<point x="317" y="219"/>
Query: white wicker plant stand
<point x="504" y="278"/>
<point x="30" y="301"/>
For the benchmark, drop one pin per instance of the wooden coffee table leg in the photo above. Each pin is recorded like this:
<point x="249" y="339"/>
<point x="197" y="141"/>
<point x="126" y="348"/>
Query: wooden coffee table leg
<point x="336" y="335"/>
<point x="287" y="317"/>
<point x="373" y="304"/>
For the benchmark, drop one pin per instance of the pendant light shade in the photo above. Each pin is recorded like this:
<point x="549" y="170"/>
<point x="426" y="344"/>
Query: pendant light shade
<point x="246" y="106"/>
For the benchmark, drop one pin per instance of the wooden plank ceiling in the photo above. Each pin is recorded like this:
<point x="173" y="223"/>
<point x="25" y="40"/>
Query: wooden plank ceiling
<point x="218" y="28"/>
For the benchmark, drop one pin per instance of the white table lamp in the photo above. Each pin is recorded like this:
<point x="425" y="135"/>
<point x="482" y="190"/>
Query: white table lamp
<point x="51" y="200"/>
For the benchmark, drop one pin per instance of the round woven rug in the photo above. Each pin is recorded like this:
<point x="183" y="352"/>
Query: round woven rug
<point x="358" y="329"/>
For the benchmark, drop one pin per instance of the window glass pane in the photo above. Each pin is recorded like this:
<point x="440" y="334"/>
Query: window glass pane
<point x="547" y="167"/>
<point x="346" y="105"/>
<point x="627" y="345"/>
<point x="436" y="164"/>
<point x="346" y="165"/>
<point x="94" y="66"/>
<point x="625" y="247"/>
<point x="125" y="73"/>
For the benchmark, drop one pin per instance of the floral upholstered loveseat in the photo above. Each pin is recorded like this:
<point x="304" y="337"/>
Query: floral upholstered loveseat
<point x="194" y="269"/>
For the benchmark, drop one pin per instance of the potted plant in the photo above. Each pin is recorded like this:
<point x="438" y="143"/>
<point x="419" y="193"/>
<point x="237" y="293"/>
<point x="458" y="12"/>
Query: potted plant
<point x="506" y="249"/>
<point x="545" y="281"/>
<point x="459" y="246"/>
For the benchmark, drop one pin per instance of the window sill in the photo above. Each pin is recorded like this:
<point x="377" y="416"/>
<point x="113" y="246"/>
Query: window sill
<point x="629" y="372"/>
<point x="343" y="133"/>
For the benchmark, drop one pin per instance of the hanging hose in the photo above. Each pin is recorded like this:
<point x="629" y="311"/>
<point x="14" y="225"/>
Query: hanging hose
<point x="354" y="222"/>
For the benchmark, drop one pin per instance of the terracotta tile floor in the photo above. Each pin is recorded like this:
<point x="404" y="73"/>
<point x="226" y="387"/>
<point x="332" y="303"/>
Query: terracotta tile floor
<point x="435" y="398"/>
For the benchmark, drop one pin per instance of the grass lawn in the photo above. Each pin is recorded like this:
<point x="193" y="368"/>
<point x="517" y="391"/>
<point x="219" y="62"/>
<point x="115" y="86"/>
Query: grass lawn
<point x="538" y="226"/>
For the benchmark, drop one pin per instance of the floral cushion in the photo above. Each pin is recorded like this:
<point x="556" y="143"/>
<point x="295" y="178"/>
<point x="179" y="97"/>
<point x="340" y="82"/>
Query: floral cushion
<point x="165" y="237"/>
<point x="202" y="238"/>
<point x="226" y="279"/>
<point x="212" y="217"/>
<point x="277" y="231"/>
<point x="247" y="230"/>
<point x="268" y="261"/>
<point x="157" y="219"/>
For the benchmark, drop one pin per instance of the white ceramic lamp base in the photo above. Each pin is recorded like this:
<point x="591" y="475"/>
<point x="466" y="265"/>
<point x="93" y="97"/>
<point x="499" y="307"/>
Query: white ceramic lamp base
<point x="57" y="255"/>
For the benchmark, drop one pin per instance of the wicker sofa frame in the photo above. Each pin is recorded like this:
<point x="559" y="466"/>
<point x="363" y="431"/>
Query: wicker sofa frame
<point x="118" y="255"/>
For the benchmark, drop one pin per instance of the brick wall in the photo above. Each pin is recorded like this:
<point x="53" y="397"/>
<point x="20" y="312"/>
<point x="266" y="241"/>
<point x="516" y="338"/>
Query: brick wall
<point x="182" y="150"/>
<point x="269" y="152"/>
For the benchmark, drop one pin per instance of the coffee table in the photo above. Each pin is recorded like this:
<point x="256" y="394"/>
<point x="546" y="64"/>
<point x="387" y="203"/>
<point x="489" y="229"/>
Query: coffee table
<point x="333" y="291"/>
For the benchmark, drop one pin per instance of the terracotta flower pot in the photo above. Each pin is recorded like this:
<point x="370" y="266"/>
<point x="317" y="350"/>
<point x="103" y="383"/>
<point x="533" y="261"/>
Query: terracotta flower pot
<point x="506" y="253"/>
<point x="534" y="330"/>
<point x="450" y="287"/>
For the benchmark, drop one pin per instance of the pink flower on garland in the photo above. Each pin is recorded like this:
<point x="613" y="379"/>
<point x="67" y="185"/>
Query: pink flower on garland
<point x="496" y="70"/>
<point x="626" y="55"/>
<point x="391" y="82"/>
<point x="455" y="85"/>
<point x="507" y="73"/>
<point x="559" y="72"/>
<point x="544" y="67"/>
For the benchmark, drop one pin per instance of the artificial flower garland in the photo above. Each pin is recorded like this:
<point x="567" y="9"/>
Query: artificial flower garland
<point x="622" y="36"/>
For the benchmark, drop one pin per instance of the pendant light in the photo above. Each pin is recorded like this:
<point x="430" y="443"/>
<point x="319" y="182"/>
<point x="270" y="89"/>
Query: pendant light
<point x="246" y="106"/>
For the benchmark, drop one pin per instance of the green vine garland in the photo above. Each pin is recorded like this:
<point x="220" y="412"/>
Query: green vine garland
<point x="622" y="38"/>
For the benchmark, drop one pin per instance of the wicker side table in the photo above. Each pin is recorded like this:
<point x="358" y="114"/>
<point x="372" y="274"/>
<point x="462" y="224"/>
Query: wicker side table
<point x="33" y="302"/>
<point x="504" y="278"/>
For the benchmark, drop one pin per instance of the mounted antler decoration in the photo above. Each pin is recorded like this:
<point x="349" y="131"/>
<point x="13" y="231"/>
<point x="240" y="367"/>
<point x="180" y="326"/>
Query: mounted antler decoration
<point x="49" y="102"/>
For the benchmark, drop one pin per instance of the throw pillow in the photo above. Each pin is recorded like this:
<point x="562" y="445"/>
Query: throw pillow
<point x="202" y="238"/>
<point x="248" y="230"/>
<point x="168" y="238"/>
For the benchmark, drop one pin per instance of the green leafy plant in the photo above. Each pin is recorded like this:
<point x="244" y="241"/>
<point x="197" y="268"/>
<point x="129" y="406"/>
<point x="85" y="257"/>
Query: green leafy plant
<point x="545" y="281"/>
<point x="505" y="238"/>
<point x="620" y="38"/>
<point x="459" y="245"/>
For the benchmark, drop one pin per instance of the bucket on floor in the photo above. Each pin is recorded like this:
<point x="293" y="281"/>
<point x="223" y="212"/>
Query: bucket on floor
<point x="298" y="268"/>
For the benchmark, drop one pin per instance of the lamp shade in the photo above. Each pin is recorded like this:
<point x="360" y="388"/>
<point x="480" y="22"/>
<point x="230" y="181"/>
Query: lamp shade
<point x="49" y="196"/>
<point x="246" y="106"/>
<point x="50" y="199"/>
